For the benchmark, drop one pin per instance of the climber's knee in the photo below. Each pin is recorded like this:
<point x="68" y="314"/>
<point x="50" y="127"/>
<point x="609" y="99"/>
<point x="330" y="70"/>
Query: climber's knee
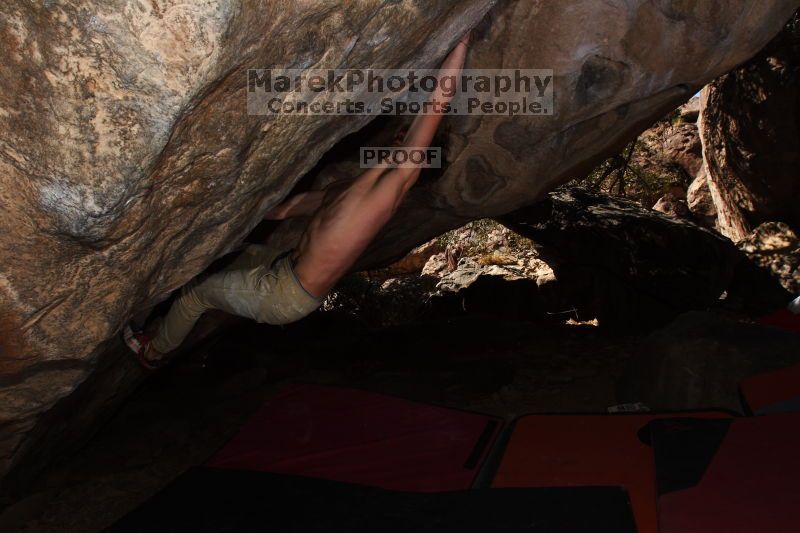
<point x="284" y="300"/>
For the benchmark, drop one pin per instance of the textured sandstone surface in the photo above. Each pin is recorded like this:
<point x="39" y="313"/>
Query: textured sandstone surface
<point x="750" y="127"/>
<point x="128" y="163"/>
<point x="677" y="148"/>
<point x="700" y="201"/>
<point x="775" y="247"/>
<point x="674" y="205"/>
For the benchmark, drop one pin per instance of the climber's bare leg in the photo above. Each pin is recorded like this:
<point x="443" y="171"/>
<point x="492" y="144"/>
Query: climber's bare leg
<point x="347" y="222"/>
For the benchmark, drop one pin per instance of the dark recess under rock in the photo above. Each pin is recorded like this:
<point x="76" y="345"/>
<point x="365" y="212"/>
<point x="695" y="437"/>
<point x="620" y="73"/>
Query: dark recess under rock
<point x="630" y="267"/>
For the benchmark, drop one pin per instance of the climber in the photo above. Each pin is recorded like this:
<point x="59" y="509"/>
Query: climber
<point x="279" y="287"/>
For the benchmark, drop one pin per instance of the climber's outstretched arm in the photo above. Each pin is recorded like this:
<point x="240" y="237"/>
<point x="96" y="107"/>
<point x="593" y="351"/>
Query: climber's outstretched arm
<point x="347" y="222"/>
<point x="424" y="127"/>
<point x="420" y="134"/>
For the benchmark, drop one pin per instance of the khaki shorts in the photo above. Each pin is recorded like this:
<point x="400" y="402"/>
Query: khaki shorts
<point x="260" y="285"/>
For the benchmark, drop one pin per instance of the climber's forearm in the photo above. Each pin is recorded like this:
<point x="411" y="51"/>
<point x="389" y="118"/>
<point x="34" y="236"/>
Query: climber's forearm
<point x="452" y="66"/>
<point x="424" y="127"/>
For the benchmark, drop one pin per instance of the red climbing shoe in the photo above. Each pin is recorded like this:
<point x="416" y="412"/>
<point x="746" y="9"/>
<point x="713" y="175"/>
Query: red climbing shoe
<point x="139" y="343"/>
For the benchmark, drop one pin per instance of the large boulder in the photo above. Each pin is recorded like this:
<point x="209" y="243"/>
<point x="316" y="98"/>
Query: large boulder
<point x="700" y="201"/>
<point x="128" y="162"/>
<point x="775" y="247"/>
<point x="672" y="149"/>
<point x="610" y="89"/>
<point x="674" y="204"/>
<point x="750" y="127"/>
<point x="671" y="152"/>
<point x="697" y="362"/>
<point x="630" y="267"/>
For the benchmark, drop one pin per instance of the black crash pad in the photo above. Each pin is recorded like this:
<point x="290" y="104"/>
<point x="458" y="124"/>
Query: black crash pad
<point x="215" y="500"/>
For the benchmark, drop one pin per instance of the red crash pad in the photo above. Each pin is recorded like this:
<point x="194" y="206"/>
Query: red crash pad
<point x="587" y="450"/>
<point x="776" y="391"/>
<point x="361" y="437"/>
<point x="740" y="476"/>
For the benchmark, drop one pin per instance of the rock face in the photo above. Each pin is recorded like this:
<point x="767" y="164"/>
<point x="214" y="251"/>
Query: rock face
<point x="128" y="162"/>
<point x="674" y="204"/>
<point x="670" y="153"/>
<point x="629" y="267"/>
<point x="775" y="247"/>
<point x="674" y="149"/>
<point x="701" y="203"/>
<point x="690" y="111"/>
<point x="416" y="259"/>
<point x="750" y="127"/>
